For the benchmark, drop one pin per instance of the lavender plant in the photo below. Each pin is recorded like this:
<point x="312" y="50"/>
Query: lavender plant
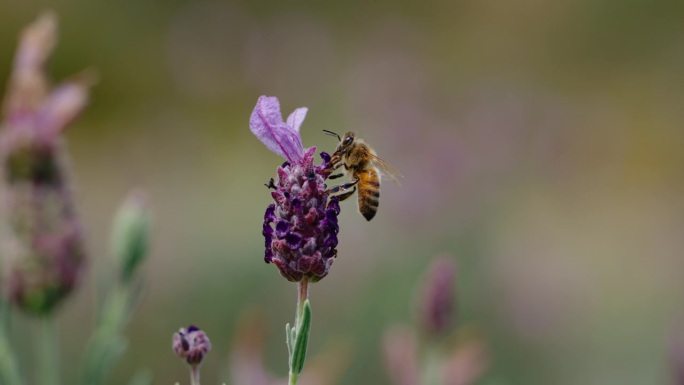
<point x="44" y="249"/>
<point x="192" y="345"/>
<point x="300" y="227"/>
<point x="43" y="245"/>
<point x="435" y="355"/>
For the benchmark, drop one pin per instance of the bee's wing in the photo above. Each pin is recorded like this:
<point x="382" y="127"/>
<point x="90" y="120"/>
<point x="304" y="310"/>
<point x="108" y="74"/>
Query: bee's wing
<point x="386" y="168"/>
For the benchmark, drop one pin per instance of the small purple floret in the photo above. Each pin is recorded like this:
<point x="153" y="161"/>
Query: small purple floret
<point x="300" y="228"/>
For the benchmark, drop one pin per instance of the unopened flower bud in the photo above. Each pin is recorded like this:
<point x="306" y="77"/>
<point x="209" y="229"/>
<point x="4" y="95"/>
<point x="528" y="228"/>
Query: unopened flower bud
<point x="436" y="306"/>
<point x="191" y="344"/>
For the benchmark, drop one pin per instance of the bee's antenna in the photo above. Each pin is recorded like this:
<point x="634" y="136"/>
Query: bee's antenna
<point x="333" y="134"/>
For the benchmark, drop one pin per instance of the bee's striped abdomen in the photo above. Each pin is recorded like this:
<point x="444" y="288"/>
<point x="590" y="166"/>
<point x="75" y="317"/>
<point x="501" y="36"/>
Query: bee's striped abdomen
<point x="369" y="192"/>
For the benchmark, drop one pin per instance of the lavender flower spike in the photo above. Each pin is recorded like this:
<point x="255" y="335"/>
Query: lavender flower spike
<point x="300" y="228"/>
<point x="43" y="241"/>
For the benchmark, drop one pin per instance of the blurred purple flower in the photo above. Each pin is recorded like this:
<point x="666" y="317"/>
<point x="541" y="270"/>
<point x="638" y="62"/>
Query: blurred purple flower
<point x="300" y="228"/>
<point x="45" y="241"/>
<point x="436" y="307"/>
<point x="191" y="344"/>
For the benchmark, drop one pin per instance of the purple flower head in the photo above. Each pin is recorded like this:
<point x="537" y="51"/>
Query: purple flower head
<point x="191" y="344"/>
<point x="300" y="227"/>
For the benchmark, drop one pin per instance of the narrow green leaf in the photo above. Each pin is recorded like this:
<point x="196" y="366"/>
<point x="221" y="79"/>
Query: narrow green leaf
<point x="302" y="339"/>
<point x="288" y="340"/>
<point x="104" y="350"/>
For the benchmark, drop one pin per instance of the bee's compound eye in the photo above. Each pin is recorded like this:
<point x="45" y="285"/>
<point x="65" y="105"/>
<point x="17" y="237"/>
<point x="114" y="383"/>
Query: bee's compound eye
<point x="348" y="140"/>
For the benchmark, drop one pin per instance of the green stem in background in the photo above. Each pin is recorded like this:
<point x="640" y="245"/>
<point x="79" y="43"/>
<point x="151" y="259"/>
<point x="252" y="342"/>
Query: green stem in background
<point x="107" y="344"/>
<point x="46" y="351"/>
<point x="9" y="370"/>
<point x="432" y="364"/>
<point x="194" y="375"/>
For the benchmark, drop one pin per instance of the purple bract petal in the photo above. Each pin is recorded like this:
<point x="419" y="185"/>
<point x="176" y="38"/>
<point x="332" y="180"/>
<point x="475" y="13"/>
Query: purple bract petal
<point x="61" y="107"/>
<point x="297" y="117"/>
<point x="282" y="138"/>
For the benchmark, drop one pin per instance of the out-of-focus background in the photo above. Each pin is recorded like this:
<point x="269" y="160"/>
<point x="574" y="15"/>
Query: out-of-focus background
<point x="542" y="144"/>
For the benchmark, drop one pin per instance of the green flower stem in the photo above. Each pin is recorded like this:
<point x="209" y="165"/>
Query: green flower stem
<point x="303" y="288"/>
<point x="9" y="373"/>
<point x="293" y="378"/>
<point x="432" y="365"/>
<point x="303" y="295"/>
<point x="107" y="344"/>
<point x="194" y="375"/>
<point x="9" y="370"/>
<point x="5" y="315"/>
<point x="46" y="351"/>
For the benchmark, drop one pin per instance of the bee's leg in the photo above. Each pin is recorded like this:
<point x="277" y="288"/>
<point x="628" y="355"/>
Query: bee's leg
<point x="342" y="187"/>
<point x="335" y="163"/>
<point x="336" y="176"/>
<point x="345" y="195"/>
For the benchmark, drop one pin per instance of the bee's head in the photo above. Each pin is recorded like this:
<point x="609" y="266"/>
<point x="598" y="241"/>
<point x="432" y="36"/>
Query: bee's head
<point x="346" y="141"/>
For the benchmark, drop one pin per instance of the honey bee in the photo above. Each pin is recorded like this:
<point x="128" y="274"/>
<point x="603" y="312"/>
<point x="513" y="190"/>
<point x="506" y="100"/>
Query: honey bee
<point x="365" y="167"/>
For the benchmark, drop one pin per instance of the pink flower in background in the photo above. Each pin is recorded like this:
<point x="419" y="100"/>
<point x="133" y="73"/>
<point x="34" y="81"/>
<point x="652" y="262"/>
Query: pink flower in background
<point x="44" y="247"/>
<point x="437" y="304"/>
